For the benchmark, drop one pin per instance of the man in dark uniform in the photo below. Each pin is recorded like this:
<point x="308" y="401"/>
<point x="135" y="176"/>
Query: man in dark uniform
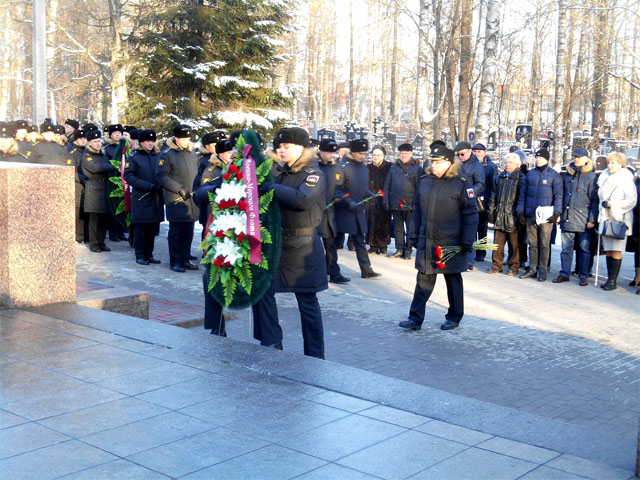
<point x="47" y="151"/>
<point x="490" y="178"/>
<point x="177" y="169"/>
<point x="78" y="142"/>
<point x="97" y="168"/>
<point x="207" y="151"/>
<point x="22" y="129"/>
<point x="352" y="186"/>
<point x="300" y="190"/>
<point x="147" y="208"/>
<point x="399" y="190"/>
<point x="217" y="161"/>
<point x="327" y="229"/>
<point x="70" y="126"/>
<point x="114" y="133"/>
<point x="9" y="151"/>
<point x="444" y="214"/>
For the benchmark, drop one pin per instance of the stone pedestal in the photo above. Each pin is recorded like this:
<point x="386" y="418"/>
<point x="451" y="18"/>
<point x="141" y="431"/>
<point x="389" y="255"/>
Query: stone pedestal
<point x="37" y="235"/>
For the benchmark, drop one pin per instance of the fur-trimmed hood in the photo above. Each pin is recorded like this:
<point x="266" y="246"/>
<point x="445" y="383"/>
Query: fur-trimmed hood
<point x="107" y="140"/>
<point x="305" y="159"/>
<point x="140" y="149"/>
<point x="588" y="167"/>
<point x="13" y="148"/>
<point x="204" y="151"/>
<point x="453" y="171"/>
<point x="91" y="150"/>
<point x="171" y="143"/>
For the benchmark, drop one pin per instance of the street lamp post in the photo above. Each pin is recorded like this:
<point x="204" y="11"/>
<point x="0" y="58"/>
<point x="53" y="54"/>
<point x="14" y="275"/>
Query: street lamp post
<point x="39" y="51"/>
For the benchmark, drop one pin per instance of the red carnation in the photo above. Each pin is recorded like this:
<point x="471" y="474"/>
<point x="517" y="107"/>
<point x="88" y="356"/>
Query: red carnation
<point x="218" y="262"/>
<point x="347" y="195"/>
<point x="222" y="205"/>
<point x="241" y="237"/>
<point x="239" y="176"/>
<point x="231" y="203"/>
<point x="228" y="264"/>
<point x="226" y="176"/>
<point x="233" y="168"/>
<point x="219" y="234"/>
<point x="242" y="205"/>
<point x="440" y="264"/>
<point x="381" y="193"/>
<point x="438" y="252"/>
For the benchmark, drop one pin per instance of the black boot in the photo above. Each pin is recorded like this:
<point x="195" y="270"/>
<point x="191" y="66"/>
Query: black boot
<point x="636" y="280"/>
<point x="613" y="269"/>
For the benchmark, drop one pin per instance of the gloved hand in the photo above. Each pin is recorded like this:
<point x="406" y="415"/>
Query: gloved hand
<point x="157" y="188"/>
<point x="606" y="204"/>
<point x="491" y="217"/>
<point x="265" y="187"/>
<point x="184" y="194"/>
<point x="553" y="218"/>
<point x="466" y="248"/>
<point x="521" y="218"/>
<point x="350" y="204"/>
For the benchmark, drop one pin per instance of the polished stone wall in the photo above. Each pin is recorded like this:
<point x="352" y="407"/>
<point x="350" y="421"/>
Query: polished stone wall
<point x="37" y="235"/>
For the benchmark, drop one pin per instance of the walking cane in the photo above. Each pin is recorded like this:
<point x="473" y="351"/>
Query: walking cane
<point x="595" y="282"/>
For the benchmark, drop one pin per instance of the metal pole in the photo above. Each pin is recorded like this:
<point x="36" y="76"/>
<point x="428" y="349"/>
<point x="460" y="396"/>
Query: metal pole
<point x="39" y="50"/>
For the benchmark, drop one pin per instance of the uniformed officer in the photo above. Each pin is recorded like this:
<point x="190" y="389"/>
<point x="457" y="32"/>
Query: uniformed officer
<point x="97" y="168"/>
<point x="444" y="214"/>
<point x="70" y="126"/>
<point x="207" y="150"/>
<point x="177" y="169"/>
<point x="326" y="161"/>
<point x="22" y="130"/>
<point x="78" y="142"/>
<point x="215" y="155"/>
<point x="111" y="140"/>
<point x="48" y="151"/>
<point x="9" y="151"/>
<point x="147" y="208"/>
<point x="300" y="191"/>
<point x="352" y="186"/>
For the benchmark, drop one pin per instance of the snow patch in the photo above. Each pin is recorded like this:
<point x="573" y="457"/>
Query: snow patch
<point x="220" y="81"/>
<point x="242" y="119"/>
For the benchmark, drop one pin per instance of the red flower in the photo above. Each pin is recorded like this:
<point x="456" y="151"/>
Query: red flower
<point x="239" y="176"/>
<point x="347" y="195"/>
<point x="219" y="234"/>
<point x="231" y="203"/>
<point x="218" y="262"/>
<point x="241" y="237"/>
<point x="438" y="250"/>
<point x="227" y="175"/>
<point x="242" y="205"/>
<point x="233" y="168"/>
<point x="223" y="204"/>
<point x="440" y="264"/>
<point x="228" y="264"/>
<point x="381" y="193"/>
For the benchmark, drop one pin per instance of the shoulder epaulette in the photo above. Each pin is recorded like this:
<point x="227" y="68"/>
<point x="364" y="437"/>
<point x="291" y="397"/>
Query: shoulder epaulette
<point x="166" y="150"/>
<point x="211" y="168"/>
<point x="73" y="151"/>
<point x="309" y="169"/>
<point x="133" y="153"/>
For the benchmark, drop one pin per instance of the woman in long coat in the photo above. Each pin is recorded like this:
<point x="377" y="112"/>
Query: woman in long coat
<point x="379" y="220"/>
<point x="444" y="215"/>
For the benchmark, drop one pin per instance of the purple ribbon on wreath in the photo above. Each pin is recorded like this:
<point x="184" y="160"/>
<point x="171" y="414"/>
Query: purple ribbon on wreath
<point x="253" y="206"/>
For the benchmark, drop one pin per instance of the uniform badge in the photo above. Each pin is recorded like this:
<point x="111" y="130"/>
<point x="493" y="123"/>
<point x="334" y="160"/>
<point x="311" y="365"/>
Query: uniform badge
<point x="28" y="154"/>
<point x="470" y="193"/>
<point x="312" y="180"/>
<point x="544" y="181"/>
<point x="161" y="162"/>
<point x="338" y="175"/>
<point x="68" y="161"/>
<point x="205" y="180"/>
<point x="126" y="164"/>
<point x="89" y="158"/>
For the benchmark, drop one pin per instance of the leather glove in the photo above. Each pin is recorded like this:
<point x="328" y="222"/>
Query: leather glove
<point x="157" y="188"/>
<point x="606" y="204"/>
<point x="466" y="248"/>
<point x="351" y="205"/>
<point x="265" y="187"/>
<point x="521" y="218"/>
<point x="185" y="195"/>
<point x="553" y="218"/>
<point x="491" y="218"/>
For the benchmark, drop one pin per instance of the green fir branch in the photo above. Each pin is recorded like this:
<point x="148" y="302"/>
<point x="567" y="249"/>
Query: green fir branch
<point x="264" y="201"/>
<point x="265" y="235"/>
<point x="120" y="208"/>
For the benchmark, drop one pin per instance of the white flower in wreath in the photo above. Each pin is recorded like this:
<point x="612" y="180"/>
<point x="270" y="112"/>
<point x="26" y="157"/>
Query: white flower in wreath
<point x="230" y="221"/>
<point x="230" y="191"/>
<point x="228" y="250"/>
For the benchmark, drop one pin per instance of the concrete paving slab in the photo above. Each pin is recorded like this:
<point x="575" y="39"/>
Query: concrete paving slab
<point x="587" y="468"/>
<point x="121" y="469"/>
<point x="395" y="416"/>
<point x="518" y="450"/>
<point x="27" y="437"/>
<point x="453" y="432"/>
<point x="335" y="472"/>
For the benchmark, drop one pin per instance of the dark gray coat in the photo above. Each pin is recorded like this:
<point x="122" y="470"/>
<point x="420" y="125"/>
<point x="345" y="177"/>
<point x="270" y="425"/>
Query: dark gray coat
<point x="81" y="179"/>
<point x="352" y="177"/>
<point x="328" y="227"/>
<point x="177" y="169"/>
<point x="97" y="168"/>
<point x="579" y="198"/>
<point x="474" y="172"/>
<point x="49" y="153"/>
<point x="400" y="184"/>
<point x="147" y="205"/>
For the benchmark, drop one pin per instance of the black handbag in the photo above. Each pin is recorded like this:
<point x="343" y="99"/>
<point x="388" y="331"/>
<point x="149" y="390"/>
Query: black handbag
<point x="613" y="229"/>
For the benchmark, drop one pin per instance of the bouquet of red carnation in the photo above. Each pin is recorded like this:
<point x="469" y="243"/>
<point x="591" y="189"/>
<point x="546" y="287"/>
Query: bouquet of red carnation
<point x="404" y="203"/>
<point x="444" y="254"/>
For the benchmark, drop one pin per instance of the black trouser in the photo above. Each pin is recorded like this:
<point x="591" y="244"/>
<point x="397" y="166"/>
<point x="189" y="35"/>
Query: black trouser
<point x="483" y="227"/>
<point x="539" y="240"/>
<point x="361" y="252"/>
<point x="424" y="288"/>
<point x="213" y="317"/>
<point x="144" y="236"/>
<point x="511" y="239"/>
<point x="180" y="237"/>
<point x="522" y="244"/>
<point x="401" y="221"/>
<point x="80" y="226"/>
<point x="266" y="327"/>
<point x="116" y="229"/>
<point x="98" y="223"/>
<point x="331" y="256"/>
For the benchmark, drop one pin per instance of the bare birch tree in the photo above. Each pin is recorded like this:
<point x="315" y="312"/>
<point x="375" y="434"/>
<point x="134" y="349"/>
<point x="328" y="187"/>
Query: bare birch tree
<point x="487" y="87"/>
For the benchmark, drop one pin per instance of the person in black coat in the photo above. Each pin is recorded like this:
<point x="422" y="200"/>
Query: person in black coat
<point x="490" y="174"/>
<point x="501" y="211"/>
<point x="111" y="140"/>
<point x="379" y="235"/>
<point x="21" y="132"/>
<point x="472" y="170"/>
<point x="300" y="190"/>
<point x="47" y="151"/>
<point x="327" y="229"/>
<point x="633" y="240"/>
<point x="78" y="142"/>
<point x="352" y="186"/>
<point x="147" y="207"/>
<point x="96" y="168"/>
<point x="444" y="214"/>
<point x="207" y="150"/>
<point x="9" y="151"/>
<point x="177" y="169"/>
<point x="399" y="189"/>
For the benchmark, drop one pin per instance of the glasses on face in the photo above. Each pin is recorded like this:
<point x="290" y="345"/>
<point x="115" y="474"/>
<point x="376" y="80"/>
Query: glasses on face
<point x="462" y="153"/>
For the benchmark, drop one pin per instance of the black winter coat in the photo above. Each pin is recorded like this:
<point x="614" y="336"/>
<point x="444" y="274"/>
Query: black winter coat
<point x="49" y="153"/>
<point x="203" y="163"/>
<point x="327" y="228"/>
<point x="352" y="177"/>
<point x="401" y="183"/>
<point x="379" y="219"/>
<point x="490" y="177"/>
<point x="504" y="200"/>
<point x="109" y="147"/>
<point x="140" y="168"/>
<point x="97" y="168"/>
<point x="300" y="191"/>
<point x="177" y="169"/>
<point x="444" y="214"/>
<point x="81" y="179"/>
<point x="474" y="172"/>
<point x="579" y="198"/>
<point x="210" y="181"/>
<point x="540" y="188"/>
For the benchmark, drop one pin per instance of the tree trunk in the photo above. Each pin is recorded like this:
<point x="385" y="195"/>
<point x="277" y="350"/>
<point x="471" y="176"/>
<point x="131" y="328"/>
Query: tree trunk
<point x="466" y="66"/>
<point x="351" y="99"/>
<point x="602" y="49"/>
<point x="559" y="102"/>
<point x="394" y="66"/>
<point x="487" y="86"/>
<point x="119" y="62"/>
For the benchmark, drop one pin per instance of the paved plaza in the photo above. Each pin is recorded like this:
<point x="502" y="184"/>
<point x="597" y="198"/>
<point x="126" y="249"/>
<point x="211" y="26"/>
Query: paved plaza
<point x="540" y="381"/>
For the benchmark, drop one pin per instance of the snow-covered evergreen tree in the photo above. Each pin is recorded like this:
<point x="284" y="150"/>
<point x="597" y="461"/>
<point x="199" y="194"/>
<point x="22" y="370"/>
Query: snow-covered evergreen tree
<point x="199" y="60"/>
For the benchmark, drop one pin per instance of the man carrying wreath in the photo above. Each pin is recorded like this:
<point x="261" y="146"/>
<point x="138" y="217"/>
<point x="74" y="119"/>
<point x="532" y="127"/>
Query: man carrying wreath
<point x="444" y="215"/>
